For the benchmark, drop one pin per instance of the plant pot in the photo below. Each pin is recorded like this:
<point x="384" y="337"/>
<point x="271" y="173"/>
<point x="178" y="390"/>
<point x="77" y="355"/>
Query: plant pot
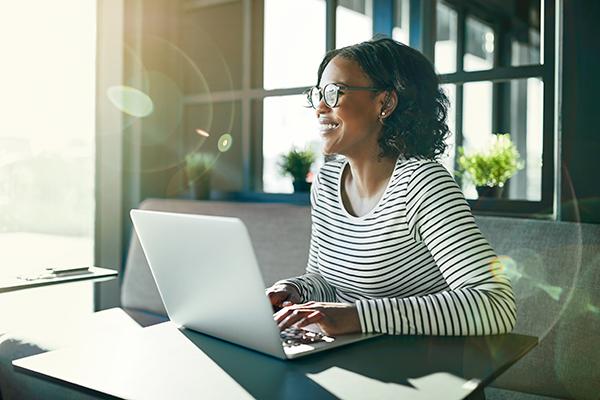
<point x="493" y="192"/>
<point x="301" y="186"/>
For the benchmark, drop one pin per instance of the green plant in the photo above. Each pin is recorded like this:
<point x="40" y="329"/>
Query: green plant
<point x="493" y="166"/>
<point x="197" y="165"/>
<point x="297" y="163"/>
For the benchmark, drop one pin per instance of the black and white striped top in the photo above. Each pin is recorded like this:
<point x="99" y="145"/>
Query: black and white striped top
<point x="415" y="264"/>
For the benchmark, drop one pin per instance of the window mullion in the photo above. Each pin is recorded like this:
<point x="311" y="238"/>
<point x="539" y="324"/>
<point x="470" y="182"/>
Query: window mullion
<point x="383" y="17"/>
<point x="460" y="51"/>
<point x="330" y="24"/>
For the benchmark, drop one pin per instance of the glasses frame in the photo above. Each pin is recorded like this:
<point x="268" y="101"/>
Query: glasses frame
<point x="340" y="89"/>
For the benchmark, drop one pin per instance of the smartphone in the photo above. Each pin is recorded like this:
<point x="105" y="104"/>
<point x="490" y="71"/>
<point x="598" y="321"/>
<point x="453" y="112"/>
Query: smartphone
<point x="68" y="270"/>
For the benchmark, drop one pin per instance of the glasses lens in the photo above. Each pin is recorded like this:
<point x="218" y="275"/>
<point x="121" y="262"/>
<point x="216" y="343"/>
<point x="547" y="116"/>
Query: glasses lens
<point x="314" y="96"/>
<point x="330" y="92"/>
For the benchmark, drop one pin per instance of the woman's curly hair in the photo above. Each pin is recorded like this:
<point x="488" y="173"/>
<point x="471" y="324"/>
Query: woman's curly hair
<point x="417" y="127"/>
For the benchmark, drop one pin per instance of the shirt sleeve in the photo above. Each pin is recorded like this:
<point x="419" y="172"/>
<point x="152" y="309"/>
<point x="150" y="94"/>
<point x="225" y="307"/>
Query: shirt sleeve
<point x="479" y="300"/>
<point x="312" y="286"/>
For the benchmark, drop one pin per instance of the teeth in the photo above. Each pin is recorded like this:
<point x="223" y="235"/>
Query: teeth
<point x="330" y="126"/>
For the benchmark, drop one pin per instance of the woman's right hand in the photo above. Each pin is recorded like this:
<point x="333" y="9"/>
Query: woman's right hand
<point x="282" y="294"/>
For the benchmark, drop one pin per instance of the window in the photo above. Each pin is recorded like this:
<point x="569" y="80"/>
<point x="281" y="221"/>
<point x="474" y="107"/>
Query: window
<point x="446" y="39"/>
<point x="262" y="74"/>
<point x="286" y="122"/>
<point x="290" y="66"/>
<point x="491" y="61"/>
<point x="495" y="63"/>
<point x="354" y="22"/>
<point x="287" y="57"/>
<point x="401" y="21"/>
<point x="47" y="151"/>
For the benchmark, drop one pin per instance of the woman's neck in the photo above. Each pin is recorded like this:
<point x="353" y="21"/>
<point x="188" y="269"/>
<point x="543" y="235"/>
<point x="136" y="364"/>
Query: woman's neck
<point x="367" y="177"/>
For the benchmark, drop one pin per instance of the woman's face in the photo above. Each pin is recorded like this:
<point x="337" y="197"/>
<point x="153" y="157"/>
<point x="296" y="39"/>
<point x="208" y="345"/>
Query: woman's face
<point x="352" y="128"/>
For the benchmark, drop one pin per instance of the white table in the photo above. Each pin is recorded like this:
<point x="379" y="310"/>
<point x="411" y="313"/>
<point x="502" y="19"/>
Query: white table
<point x="95" y="274"/>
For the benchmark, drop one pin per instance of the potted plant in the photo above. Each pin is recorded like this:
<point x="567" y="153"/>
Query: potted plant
<point x="297" y="163"/>
<point x="489" y="169"/>
<point x="197" y="171"/>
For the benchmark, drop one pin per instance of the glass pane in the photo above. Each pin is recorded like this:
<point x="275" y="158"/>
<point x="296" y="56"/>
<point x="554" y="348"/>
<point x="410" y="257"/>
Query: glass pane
<point x="47" y="152"/>
<point x="477" y="122"/>
<point x="525" y="127"/>
<point x="479" y="52"/>
<point x="286" y="123"/>
<point x="446" y="39"/>
<point x="214" y="129"/>
<point x="286" y="57"/>
<point x="211" y="40"/>
<point x="526" y="26"/>
<point x="354" y="23"/>
<point x="520" y="115"/>
<point x="400" y="32"/>
<point x="448" y="158"/>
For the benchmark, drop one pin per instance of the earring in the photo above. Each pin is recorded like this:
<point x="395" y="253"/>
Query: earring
<point x="381" y="115"/>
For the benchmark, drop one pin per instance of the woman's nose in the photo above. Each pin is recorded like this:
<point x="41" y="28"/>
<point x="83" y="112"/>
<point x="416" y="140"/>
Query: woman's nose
<point x="322" y="108"/>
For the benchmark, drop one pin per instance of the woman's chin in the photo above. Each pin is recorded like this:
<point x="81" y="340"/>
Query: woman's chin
<point x="329" y="150"/>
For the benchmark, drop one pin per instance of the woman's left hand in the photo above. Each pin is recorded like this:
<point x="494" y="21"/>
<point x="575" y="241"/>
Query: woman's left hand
<point x="332" y="318"/>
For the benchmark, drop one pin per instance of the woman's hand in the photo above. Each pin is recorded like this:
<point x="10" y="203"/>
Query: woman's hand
<point x="281" y="295"/>
<point x="332" y="318"/>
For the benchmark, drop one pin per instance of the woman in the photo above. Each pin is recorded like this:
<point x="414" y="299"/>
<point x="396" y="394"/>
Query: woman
<point x="394" y="246"/>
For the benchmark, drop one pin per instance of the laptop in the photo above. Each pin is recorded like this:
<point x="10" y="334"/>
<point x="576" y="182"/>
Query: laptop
<point x="209" y="280"/>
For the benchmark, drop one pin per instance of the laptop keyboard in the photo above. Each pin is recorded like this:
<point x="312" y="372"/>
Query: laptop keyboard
<point x="295" y="336"/>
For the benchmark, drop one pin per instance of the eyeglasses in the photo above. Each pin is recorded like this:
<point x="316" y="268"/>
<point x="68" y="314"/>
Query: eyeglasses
<point x="331" y="93"/>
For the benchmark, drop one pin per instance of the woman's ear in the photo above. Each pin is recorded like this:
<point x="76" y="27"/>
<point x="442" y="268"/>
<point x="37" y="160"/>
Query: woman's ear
<point x="388" y="103"/>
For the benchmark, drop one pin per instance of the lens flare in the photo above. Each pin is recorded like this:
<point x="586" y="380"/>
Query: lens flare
<point x="592" y="308"/>
<point x="130" y="100"/>
<point x="505" y="265"/>
<point x="225" y="142"/>
<point x="202" y="132"/>
<point x="553" y="291"/>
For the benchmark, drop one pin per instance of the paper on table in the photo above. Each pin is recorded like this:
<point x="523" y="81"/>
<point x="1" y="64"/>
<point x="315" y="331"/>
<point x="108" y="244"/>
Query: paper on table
<point x="157" y="362"/>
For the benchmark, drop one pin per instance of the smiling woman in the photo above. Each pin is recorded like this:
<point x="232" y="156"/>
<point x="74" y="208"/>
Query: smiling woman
<point x="394" y="246"/>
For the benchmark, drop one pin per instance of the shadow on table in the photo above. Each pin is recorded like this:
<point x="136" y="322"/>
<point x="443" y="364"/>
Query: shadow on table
<point x="412" y="366"/>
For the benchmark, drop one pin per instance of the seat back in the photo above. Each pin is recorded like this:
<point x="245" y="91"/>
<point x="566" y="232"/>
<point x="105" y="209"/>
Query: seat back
<point x="555" y="272"/>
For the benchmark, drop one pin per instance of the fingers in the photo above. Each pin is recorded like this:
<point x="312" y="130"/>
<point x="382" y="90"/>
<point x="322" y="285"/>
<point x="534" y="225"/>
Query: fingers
<point x="282" y="293"/>
<point x="277" y="295"/>
<point x="312" y="318"/>
<point x="277" y="298"/>
<point x="300" y="315"/>
<point x="292" y="318"/>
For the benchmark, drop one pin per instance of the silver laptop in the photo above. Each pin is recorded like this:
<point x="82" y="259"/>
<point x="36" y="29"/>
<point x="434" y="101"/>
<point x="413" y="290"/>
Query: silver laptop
<point x="209" y="281"/>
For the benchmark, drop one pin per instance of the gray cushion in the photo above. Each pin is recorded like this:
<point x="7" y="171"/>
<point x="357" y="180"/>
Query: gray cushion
<point x="492" y="393"/>
<point x="280" y="235"/>
<point x="557" y="288"/>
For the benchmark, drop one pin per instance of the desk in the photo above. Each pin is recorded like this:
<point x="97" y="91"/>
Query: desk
<point x="162" y="361"/>
<point x="95" y="274"/>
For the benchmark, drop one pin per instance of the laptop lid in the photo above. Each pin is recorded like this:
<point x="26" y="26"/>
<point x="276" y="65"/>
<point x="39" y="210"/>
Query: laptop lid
<point x="208" y="277"/>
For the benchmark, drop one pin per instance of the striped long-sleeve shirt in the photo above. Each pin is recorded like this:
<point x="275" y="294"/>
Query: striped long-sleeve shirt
<point x="415" y="264"/>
